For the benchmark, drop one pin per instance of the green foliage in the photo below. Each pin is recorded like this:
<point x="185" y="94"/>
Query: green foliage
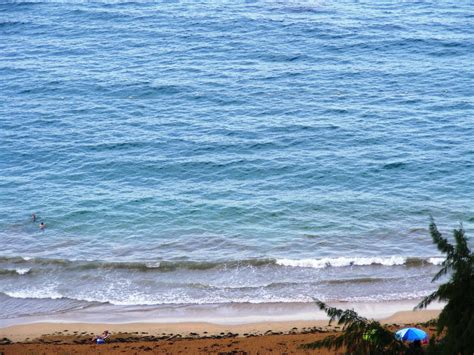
<point x="457" y="317"/>
<point x="360" y="336"/>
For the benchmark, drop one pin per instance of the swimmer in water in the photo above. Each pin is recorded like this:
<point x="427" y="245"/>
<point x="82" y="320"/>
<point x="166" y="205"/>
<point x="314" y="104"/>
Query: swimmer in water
<point x="33" y="217"/>
<point x="42" y="226"/>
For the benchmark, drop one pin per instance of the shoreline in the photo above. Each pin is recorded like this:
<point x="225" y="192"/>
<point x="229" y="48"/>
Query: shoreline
<point x="30" y="331"/>
<point x="223" y="314"/>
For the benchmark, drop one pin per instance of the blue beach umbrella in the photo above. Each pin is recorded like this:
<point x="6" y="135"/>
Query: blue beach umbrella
<point x="411" y="334"/>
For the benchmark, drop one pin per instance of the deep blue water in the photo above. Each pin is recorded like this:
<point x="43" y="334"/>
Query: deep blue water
<point x="230" y="132"/>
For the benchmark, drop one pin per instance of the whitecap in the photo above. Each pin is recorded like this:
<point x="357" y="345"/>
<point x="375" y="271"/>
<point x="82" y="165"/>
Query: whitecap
<point x="437" y="260"/>
<point x="342" y="261"/>
<point x="34" y="293"/>
<point x="22" y="271"/>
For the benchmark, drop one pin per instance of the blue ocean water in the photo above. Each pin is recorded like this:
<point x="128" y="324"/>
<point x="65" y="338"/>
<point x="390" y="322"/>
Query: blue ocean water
<point x="231" y="151"/>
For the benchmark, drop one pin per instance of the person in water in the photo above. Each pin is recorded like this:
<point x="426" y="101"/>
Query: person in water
<point x="101" y="338"/>
<point x="42" y="226"/>
<point x="33" y="217"/>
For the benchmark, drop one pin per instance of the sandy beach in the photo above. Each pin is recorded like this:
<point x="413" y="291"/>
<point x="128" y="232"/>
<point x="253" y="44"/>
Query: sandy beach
<point x="196" y="177"/>
<point x="185" y="338"/>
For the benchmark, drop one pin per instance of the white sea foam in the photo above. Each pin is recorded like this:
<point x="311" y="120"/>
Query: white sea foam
<point x="35" y="293"/>
<point x="146" y="300"/>
<point x="437" y="260"/>
<point x="19" y="271"/>
<point x="415" y="295"/>
<point x="342" y="261"/>
<point x="137" y="299"/>
<point x="22" y="271"/>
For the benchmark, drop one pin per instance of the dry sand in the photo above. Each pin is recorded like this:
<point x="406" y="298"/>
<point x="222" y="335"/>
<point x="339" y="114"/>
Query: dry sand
<point x="266" y="344"/>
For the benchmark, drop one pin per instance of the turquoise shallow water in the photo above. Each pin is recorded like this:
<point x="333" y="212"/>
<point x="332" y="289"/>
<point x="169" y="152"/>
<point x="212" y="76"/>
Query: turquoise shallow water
<point x="302" y="143"/>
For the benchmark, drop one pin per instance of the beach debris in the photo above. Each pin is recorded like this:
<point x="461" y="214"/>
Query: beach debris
<point x="173" y="336"/>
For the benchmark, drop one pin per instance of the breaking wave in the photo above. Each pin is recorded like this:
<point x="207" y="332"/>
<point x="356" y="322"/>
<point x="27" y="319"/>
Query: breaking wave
<point x="28" y="263"/>
<point x="358" y="261"/>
